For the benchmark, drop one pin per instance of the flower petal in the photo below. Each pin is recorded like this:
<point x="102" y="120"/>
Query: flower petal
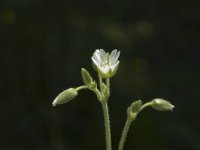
<point x="95" y="61"/>
<point x="114" y="67"/>
<point x="117" y="55"/>
<point x="102" y="54"/>
<point x="113" y="53"/>
<point x="112" y="59"/>
<point x="97" y="55"/>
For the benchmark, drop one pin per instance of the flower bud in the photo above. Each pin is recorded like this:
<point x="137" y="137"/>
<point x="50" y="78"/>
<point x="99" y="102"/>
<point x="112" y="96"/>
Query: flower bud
<point x="131" y="116"/>
<point x="87" y="79"/>
<point x="133" y="110"/>
<point x="65" y="96"/>
<point x="161" y="105"/>
<point x="135" y="106"/>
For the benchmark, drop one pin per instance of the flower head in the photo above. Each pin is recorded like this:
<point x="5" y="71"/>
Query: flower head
<point x="106" y="64"/>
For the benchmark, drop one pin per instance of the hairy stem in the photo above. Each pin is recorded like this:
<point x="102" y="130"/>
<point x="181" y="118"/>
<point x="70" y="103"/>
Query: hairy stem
<point x="124" y="134"/>
<point x="107" y="125"/>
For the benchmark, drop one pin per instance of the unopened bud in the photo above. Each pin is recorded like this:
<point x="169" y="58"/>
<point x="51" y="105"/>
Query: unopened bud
<point x="133" y="110"/>
<point x="161" y="105"/>
<point x="131" y="116"/>
<point x="135" y="106"/>
<point x="87" y="79"/>
<point x="65" y="96"/>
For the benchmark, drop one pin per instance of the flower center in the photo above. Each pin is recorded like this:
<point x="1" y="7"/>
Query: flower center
<point x="105" y="64"/>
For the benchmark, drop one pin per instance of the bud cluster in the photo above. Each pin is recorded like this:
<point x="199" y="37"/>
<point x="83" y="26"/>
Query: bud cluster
<point x="106" y="65"/>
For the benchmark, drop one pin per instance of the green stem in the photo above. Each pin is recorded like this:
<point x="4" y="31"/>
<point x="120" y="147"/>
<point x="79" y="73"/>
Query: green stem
<point x="105" y="113"/>
<point x="108" y="86"/>
<point x="145" y="105"/>
<point x="124" y="134"/>
<point x="98" y="94"/>
<point x="107" y="125"/>
<point x="82" y="87"/>
<point x="100" y="82"/>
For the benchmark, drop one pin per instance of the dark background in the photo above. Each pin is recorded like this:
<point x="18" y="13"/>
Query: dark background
<point x="44" y="44"/>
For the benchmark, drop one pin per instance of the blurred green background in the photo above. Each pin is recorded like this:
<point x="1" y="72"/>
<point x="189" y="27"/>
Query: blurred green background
<point x="44" y="44"/>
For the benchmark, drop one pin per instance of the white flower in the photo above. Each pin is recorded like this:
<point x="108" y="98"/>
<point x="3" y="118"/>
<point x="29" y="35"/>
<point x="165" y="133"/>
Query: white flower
<point x="106" y="63"/>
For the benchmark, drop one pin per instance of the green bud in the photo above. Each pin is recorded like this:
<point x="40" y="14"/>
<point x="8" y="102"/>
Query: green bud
<point x="135" y="106"/>
<point x="161" y="105"/>
<point x="131" y="116"/>
<point x="87" y="79"/>
<point x="65" y="96"/>
<point x="133" y="109"/>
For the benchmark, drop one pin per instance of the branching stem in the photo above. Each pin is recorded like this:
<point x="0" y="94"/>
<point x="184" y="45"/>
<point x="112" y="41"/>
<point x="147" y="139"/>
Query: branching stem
<point x="127" y="126"/>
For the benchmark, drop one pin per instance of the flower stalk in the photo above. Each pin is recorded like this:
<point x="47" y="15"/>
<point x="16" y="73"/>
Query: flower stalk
<point x="105" y="109"/>
<point x="81" y="87"/>
<point x="124" y="134"/>
<point x="107" y="126"/>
